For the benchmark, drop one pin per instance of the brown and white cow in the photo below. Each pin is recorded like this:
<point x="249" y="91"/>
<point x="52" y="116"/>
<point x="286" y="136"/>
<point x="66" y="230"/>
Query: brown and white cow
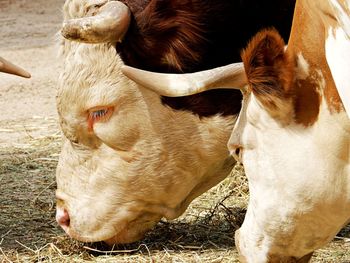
<point x="293" y="132"/>
<point x="130" y="156"/>
<point x="8" y="67"/>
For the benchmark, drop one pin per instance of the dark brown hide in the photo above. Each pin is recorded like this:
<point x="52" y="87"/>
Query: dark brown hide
<point x="192" y="35"/>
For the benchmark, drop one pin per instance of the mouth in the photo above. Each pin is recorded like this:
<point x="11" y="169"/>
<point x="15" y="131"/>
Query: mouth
<point x="84" y="226"/>
<point x="124" y="236"/>
<point x="88" y="239"/>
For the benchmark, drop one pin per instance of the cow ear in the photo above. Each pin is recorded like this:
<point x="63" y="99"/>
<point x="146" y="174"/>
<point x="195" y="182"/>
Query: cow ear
<point x="269" y="69"/>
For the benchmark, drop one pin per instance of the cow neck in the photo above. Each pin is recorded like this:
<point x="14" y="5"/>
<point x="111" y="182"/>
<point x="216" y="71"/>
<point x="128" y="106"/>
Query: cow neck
<point x="307" y="40"/>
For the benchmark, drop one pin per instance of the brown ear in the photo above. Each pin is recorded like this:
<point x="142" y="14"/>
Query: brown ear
<point x="269" y="70"/>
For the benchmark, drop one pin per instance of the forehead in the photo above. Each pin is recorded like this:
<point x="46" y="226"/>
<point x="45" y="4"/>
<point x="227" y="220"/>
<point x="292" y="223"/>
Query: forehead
<point x="91" y="74"/>
<point x="91" y="77"/>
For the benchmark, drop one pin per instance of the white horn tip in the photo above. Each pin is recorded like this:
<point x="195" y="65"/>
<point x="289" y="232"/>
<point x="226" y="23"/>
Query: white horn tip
<point x="26" y="75"/>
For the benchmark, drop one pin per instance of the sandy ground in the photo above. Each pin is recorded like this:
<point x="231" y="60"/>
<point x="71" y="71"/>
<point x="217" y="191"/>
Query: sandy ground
<point x="28" y="118"/>
<point x="27" y="38"/>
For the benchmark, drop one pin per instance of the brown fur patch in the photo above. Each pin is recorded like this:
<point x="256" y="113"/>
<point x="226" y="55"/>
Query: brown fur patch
<point x="304" y="41"/>
<point x="307" y="103"/>
<point x="165" y="36"/>
<point x="270" y="72"/>
<point x="308" y="38"/>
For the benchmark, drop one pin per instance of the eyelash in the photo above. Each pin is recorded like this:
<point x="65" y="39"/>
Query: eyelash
<point x="98" y="114"/>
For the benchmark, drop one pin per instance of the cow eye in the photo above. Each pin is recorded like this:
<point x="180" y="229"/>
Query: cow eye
<point x="99" y="114"/>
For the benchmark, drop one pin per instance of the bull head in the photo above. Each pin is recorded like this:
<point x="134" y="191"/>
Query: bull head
<point x="127" y="160"/>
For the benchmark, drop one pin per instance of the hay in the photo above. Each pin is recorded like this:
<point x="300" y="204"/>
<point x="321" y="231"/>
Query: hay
<point x="27" y="189"/>
<point x="29" y="233"/>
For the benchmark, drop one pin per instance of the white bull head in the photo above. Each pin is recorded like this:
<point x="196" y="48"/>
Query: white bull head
<point x="127" y="160"/>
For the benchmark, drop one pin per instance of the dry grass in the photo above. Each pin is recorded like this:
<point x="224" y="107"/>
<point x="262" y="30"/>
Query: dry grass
<point x="28" y="232"/>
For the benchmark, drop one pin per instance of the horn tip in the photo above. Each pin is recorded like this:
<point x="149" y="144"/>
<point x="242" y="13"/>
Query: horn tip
<point x="68" y="33"/>
<point x="26" y="75"/>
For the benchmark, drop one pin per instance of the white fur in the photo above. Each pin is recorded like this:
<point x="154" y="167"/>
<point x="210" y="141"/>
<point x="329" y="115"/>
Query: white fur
<point x="303" y="67"/>
<point x="338" y="58"/>
<point x="299" y="176"/>
<point x="299" y="182"/>
<point x="342" y="15"/>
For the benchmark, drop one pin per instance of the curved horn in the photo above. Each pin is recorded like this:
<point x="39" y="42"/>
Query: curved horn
<point x="8" y="67"/>
<point x="109" y="25"/>
<point x="231" y="76"/>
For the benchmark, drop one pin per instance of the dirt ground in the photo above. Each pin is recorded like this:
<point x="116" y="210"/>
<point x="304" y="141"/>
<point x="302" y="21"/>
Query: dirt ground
<point x="27" y="38"/>
<point x="29" y="148"/>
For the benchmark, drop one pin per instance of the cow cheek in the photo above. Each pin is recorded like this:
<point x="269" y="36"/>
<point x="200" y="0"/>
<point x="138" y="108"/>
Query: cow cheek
<point x="86" y="194"/>
<point x="120" y="132"/>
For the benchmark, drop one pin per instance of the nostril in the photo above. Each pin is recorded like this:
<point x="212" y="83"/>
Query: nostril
<point x="62" y="218"/>
<point x="236" y="152"/>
